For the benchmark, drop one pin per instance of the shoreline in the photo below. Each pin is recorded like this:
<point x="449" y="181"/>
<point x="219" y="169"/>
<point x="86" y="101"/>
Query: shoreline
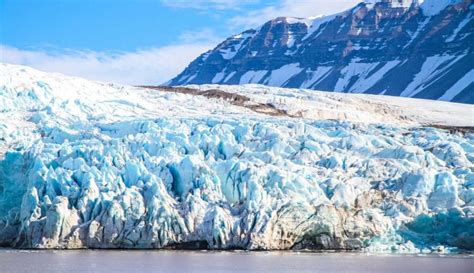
<point x="467" y="254"/>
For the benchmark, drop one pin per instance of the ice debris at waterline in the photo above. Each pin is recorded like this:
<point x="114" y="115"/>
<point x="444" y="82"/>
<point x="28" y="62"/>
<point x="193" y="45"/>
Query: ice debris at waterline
<point x="97" y="172"/>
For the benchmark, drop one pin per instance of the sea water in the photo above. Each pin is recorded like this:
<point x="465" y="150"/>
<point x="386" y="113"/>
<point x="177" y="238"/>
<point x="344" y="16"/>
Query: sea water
<point x="232" y="262"/>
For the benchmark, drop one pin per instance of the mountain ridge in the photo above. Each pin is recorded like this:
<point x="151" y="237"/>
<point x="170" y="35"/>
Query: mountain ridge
<point x="389" y="47"/>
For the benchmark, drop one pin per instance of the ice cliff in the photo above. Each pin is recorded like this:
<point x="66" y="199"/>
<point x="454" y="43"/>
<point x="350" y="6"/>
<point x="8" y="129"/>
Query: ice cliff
<point x="91" y="165"/>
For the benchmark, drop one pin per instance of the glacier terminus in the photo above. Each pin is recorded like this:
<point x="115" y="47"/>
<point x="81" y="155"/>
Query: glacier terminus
<point x="87" y="165"/>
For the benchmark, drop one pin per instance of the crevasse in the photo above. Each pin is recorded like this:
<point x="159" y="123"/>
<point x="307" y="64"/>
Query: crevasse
<point x="108" y="178"/>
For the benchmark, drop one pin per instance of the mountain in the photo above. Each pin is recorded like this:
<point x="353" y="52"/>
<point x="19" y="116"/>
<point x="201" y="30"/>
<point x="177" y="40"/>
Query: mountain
<point x="93" y="165"/>
<point x="409" y="48"/>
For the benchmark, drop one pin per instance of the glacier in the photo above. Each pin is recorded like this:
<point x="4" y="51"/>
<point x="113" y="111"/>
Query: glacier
<point x="96" y="165"/>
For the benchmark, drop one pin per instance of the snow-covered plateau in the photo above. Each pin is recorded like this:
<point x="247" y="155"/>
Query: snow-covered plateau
<point x="93" y="165"/>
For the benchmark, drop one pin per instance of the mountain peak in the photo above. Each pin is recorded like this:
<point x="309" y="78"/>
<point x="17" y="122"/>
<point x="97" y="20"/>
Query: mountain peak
<point x="429" y="7"/>
<point x="395" y="3"/>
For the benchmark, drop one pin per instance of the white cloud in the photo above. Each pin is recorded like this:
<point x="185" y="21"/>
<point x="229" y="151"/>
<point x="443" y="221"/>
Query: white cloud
<point x="151" y="66"/>
<point x="290" y="8"/>
<point x="205" y="35"/>
<point x="207" y="4"/>
<point x="158" y="65"/>
<point x="140" y="67"/>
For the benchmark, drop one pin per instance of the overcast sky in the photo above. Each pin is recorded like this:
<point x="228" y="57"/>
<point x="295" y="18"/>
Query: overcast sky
<point x="132" y="42"/>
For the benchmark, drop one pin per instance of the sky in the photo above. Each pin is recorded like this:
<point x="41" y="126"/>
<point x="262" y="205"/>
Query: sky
<point x="133" y="41"/>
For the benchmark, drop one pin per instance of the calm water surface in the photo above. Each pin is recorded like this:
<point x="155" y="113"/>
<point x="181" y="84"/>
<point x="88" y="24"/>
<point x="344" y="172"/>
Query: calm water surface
<point x="232" y="262"/>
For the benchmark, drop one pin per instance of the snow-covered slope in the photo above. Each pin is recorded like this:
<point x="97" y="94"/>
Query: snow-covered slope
<point x="96" y="165"/>
<point x="361" y="108"/>
<point x="408" y="48"/>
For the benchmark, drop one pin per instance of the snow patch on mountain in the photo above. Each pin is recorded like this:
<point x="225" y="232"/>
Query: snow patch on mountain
<point x="462" y="84"/>
<point x="429" y="7"/>
<point x="316" y="24"/>
<point x="281" y="75"/>
<point x="235" y="45"/>
<point x="253" y="76"/>
<point x="433" y="7"/>
<point x="316" y="76"/>
<point x="432" y="67"/>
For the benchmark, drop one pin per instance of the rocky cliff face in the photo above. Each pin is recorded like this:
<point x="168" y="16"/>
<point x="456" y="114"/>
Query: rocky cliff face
<point x="419" y="49"/>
